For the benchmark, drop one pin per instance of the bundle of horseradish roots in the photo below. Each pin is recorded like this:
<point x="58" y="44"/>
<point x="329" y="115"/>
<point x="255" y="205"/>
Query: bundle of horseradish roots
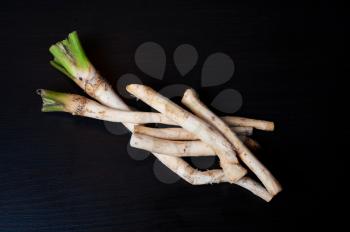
<point x="195" y="131"/>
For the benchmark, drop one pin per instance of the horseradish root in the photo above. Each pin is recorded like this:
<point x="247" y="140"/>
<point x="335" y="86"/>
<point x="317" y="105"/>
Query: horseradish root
<point x="249" y="122"/>
<point x="70" y="59"/>
<point x="168" y="145"/>
<point x="191" y="100"/>
<point x="171" y="147"/>
<point x="228" y="160"/>
<point x="78" y="105"/>
<point x="177" y="133"/>
<point x="195" y="177"/>
<point x="82" y="106"/>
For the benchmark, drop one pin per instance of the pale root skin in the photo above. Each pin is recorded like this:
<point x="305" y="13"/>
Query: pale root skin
<point x="191" y="100"/>
<point x="76" y="105"/>
<point x="255" y="188"/>
<point x="98" y="88"/>
<point x="82" y="106"/>
<point x="193" y="176"/>
<point x="186" y="171"/>
<point x="79" y="105"/>
<point x="70" y="59"/>
<point x="102" y="92"/>
<point x="95" y="86"/>
<point x="249" y="122"/>
<point x="178" y="133"/>
<point x="228" y="160"/>
<point x="171" y="147"/>
<point x="166" y="133"/>
<point x="176" y="164"/>
<point x="242" y="130"/>
<point x="215" y="176"/>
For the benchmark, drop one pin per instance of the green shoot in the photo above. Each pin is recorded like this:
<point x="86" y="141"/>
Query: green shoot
<point x="53" y="101"/>
<point x="69" y="57"/>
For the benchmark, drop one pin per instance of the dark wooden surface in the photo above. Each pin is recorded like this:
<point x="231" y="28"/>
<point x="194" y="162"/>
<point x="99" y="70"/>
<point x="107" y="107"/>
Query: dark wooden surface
<point x="63" y="173"/>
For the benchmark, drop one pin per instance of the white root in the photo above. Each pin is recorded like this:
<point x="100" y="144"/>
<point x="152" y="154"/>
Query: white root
<point x="82" y="106"/>
<point x="106" y="95"/>
<point x="79" y="105"/>
<point x="255" y="188"/>
<point x="177" y="133"/>
<point x="249" y="122"/>
<point x="228" y="160"/>
<point x="76" y="104"/>
<point x="191" y="100"/>
<point x="196" y="177"/>
<point x="69" y="58"/>
<point x="191" y="175"/>
<point x="171" y="147"/>
<point x="242" y="130"/>
<point x="166" y="133"/>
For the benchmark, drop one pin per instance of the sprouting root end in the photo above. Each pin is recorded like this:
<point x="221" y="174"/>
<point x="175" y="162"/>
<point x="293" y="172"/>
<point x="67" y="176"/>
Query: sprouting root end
<point x="69" y="56"/>
<point x="52" y="101"/>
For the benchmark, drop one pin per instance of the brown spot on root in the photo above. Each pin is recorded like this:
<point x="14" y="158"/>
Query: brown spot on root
<point x="94" y="82"/>
<point x="80" y="105"/>
<point x="102" y="112"/>
<point x="92" y="85"/>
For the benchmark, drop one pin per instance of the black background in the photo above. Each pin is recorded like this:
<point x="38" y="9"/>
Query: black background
<point x="64" y="173"/>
